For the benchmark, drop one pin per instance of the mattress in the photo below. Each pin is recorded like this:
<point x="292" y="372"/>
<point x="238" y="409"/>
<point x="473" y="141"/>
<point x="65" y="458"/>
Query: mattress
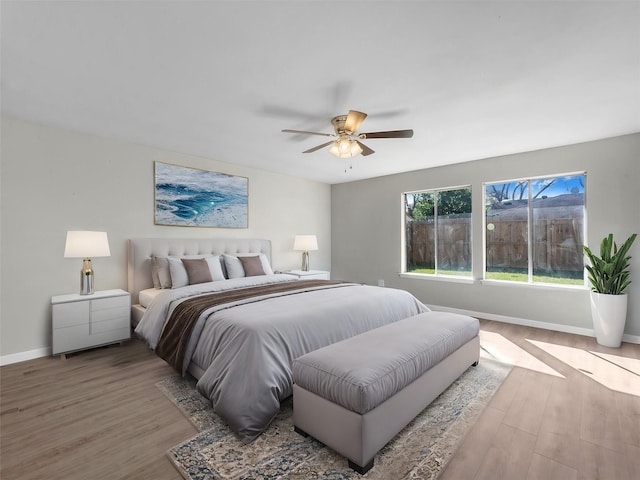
<point x="146" y="296"/>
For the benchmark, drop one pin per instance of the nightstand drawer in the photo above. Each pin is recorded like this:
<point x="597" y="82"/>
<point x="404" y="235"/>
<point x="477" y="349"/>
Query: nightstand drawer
<point x="70" y="338"/>
<point x="78" y="338"/>
<point x="113" y="302"/>
<point x="70" y="314"/>
<point x="110" y="324"/>
<point x="109" y="314"/>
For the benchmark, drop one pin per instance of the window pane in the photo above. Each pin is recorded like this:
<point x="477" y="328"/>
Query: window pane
<point x="438" y="232"/>
<point x="507" y="231"/>
<point x="557" y="230"/>
<point x="454" y="232"/>
<point x="420" y="235"/>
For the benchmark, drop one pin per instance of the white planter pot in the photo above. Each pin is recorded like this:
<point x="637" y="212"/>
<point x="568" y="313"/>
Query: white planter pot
<point x="609" y="313"/>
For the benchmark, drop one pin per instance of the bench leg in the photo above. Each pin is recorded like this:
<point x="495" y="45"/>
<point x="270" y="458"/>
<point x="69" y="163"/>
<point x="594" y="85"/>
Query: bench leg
<point x="300" y="431"/>
<point x="359" y="469"/>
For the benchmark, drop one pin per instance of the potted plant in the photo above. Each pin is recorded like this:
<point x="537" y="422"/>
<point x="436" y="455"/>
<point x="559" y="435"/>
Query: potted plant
<point x="609" y="276"/>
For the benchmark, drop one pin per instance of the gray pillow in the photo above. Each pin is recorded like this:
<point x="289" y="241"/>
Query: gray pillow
<point x="162" y="268"/>
<point x="197" y="270"/>
<point x="252" y="266"/>
<point x="154" y="272"/>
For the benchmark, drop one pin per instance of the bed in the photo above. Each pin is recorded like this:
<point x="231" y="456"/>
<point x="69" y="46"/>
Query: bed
<point x="240" y="332"/>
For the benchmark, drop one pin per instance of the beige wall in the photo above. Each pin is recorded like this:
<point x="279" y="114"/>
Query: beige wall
<point x="56" y="180"/>
<point x="366" y="221"/>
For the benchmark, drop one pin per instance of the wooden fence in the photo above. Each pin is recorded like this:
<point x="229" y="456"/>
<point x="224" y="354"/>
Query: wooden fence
<point x="557" y="244"/>
<point x="454" y="244"/>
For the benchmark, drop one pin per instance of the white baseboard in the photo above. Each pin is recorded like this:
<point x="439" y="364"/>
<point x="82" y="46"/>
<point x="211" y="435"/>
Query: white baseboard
<point x="588" y="332"/>
<point x="23" y="356"/>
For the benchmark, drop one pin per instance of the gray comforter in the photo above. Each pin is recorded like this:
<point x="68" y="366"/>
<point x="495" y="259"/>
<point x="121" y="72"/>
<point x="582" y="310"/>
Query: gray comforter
<point x="246" y="350"/>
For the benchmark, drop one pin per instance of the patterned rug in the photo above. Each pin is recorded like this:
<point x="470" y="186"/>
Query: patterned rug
<point x="420" y="451"/>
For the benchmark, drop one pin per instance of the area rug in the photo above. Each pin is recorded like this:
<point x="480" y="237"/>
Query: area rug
<point x="420" y="451"/>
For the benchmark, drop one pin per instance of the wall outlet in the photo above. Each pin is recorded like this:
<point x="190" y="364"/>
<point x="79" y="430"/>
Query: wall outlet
<point x="381" y="282"/>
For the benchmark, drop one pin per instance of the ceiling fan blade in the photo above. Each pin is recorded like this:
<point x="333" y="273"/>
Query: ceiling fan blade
<point x="354" y="119"/>
<point x="311" y="150"/>
<point x="389" y="134"/>
<point x="304" y="132"/>
<point x="365" y="150"/>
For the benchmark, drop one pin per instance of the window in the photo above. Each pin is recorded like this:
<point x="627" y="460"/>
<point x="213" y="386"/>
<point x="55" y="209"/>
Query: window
<point x="438" y="232"/>
<point x="535" y="230"/>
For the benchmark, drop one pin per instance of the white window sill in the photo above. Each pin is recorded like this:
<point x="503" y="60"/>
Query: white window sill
<point x="492" y="283"/>
<point x="539" y="286"/>
<point x="438" y="278"/>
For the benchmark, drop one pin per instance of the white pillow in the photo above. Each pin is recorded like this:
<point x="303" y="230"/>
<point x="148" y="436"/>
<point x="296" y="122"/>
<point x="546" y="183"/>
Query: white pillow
<point x="234" y="266"/>
<point x="215" y="267"/>
<point x="179" y="276"/>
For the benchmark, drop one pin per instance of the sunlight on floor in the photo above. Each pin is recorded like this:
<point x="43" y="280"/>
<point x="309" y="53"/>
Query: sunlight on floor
<point x="613" y="371"/>
<point x="506" y="351"/>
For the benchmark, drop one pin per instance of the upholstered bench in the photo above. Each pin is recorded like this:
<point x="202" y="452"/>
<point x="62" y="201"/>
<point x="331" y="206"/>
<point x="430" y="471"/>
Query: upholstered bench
<point x="356" y="395"/>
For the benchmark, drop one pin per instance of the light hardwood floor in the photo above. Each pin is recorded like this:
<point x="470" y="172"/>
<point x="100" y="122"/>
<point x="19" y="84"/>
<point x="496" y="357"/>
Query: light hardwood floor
<point x="98" y="415"/>
<point x="553" y="418"/>
<point x="95" y="415"/>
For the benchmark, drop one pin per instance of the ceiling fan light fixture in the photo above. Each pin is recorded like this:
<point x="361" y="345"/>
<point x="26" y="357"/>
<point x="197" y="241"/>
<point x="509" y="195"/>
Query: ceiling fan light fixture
<point x="355" y="148"/>
<point x="334" y="150"/>
<point x="347" y="142"/>
<point x="345" y="148"/>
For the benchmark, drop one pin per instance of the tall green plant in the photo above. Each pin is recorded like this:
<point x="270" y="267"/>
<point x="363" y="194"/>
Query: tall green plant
<point x="609" y="273"/>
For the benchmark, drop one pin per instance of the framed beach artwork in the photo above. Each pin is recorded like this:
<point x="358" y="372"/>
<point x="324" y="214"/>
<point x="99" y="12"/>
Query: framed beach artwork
<point x="192" y="197"/>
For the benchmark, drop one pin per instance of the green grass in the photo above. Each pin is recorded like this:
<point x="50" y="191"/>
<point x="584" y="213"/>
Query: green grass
<point x="432" y="271"/>
<point x="523" y="278"/>
<point x="505" y="276"/>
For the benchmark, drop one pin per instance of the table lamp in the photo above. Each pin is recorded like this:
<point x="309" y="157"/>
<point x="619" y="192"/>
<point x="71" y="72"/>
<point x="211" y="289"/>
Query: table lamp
<point x="83" y="244"/>
<point x="305" y="243"/>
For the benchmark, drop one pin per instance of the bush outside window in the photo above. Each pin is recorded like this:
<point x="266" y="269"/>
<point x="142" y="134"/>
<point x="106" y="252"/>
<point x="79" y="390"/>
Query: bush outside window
<point x="534" y="230"/>
<point x="438" y="232"/>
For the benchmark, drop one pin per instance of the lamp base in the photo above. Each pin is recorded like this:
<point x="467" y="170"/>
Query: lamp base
<point x="305" y="261"/>
<point x="86" y="278"/>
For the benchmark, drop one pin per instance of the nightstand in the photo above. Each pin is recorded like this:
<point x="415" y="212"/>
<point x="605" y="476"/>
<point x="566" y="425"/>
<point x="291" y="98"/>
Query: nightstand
<point x="85" y="321"/>
<point x="310" y="275"/>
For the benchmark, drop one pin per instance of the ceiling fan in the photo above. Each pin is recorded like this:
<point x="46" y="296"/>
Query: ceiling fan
<point x="347" y="142"/>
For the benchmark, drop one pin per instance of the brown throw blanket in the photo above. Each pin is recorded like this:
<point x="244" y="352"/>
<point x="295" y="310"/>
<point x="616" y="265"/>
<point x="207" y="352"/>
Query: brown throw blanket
<point x="177" y="331"/>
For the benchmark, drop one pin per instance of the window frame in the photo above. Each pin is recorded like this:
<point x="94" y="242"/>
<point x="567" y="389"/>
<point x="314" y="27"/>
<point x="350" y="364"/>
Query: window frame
<point x="530" y="239"/>
<point x="403" y="258"/>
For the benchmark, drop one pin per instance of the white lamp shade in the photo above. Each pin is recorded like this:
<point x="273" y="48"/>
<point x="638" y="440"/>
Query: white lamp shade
<point x="305" y="243"/>
<point x="83" y="244"/>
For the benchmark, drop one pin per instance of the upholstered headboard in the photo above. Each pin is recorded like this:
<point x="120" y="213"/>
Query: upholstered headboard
<point x="142" y="249"/>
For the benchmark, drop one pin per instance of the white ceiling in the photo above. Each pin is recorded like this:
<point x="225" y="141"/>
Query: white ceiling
<point x="221" y="79"/>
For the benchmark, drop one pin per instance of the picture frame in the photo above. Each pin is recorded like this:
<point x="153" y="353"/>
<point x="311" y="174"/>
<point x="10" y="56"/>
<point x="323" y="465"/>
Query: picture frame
<point x="192" y="197"/>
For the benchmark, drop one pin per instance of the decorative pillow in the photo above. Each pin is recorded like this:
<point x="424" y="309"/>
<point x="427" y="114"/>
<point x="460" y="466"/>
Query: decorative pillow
<point x="235" y="269"/>
<point x="233" y="266"/>
<point x="162" y="268"/>
<point x="215" y="267"/>
<point x="179" y="276"/>
<point x="252" y="266"/>
<point x="154" y="273"/>
<point x="265" y="264"/>
<point x="178" y="273"/>
<point x="197" y="270"/>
